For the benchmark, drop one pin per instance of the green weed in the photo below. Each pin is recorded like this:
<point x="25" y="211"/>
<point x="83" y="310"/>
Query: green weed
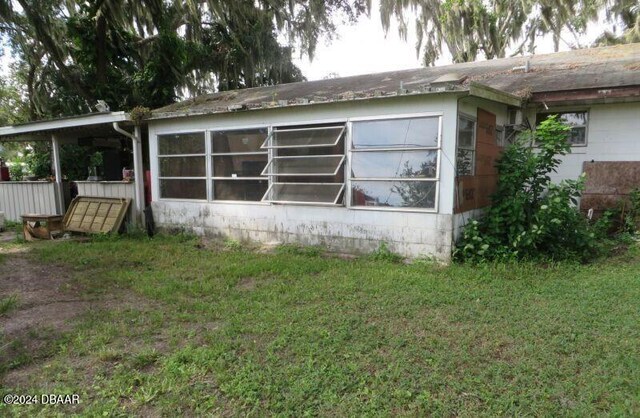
<point x="7" y="304"/>
<point x="383" y="253"/>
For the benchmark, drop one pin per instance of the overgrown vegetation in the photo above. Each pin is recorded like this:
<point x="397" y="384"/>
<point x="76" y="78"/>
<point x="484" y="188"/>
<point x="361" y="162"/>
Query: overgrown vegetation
<point x="192" y="331"/>
<point x="531" y="217"/>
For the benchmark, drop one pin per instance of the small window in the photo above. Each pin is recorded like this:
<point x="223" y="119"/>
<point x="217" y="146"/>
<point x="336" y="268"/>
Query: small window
<point x="182" y="166"/>
<point x="576" y="120"/>
<point x="394" y="163"/>
<point x="307" y="165"/>
<point x="237" y="164"/>
<point x="394" y="194"/>
<point x="466" y="153"/>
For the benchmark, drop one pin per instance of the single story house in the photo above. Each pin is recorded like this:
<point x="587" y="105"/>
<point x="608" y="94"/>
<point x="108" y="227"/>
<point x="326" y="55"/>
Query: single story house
<point x="403" y="157"/>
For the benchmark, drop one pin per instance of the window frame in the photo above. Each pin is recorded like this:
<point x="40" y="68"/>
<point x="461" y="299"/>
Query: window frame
<point x="559" y="112"/>
<point x="210" y="175"/>
<point x="158" y="156"/>
<point x="346" y="162"/>
<point x="349" y="179"/>
<point x="342" y="136"/>
<point x="473" y="150"/>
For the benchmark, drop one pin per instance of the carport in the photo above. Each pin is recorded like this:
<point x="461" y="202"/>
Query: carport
<point x="18" y="197"/>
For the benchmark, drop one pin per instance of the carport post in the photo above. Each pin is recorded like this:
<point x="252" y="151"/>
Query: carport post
<point x="55" y="145"/>
<point x="138" y="173"/>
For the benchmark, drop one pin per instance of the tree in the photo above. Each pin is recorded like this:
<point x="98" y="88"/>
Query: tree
<point x="627" y="12"/>
<point x="469" y="28"/>
<point x="151" y="52"/>
<point x="12" y="111"/>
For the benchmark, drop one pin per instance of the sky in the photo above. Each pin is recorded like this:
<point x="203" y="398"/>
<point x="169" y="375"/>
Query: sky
<point x="364" y="48"/>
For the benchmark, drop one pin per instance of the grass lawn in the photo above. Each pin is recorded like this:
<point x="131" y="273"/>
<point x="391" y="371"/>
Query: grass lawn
<point x="197" y="330"/>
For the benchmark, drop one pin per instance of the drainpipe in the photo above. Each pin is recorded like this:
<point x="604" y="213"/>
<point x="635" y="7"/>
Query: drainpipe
<point x="55" y="154"/>
<point x="137" y="169"/>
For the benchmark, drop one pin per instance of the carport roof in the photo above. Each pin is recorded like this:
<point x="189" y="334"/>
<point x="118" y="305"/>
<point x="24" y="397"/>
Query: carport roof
<point x="83" y="125"/>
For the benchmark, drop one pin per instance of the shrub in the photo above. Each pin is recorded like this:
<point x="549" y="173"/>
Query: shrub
<point x="531" y="217"/>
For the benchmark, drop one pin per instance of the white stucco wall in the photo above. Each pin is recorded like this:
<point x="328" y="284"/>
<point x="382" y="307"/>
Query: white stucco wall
<point x="411" y="234"/>
<point x="613" y="134"/>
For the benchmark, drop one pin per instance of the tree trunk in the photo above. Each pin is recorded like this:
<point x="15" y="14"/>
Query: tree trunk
<point x="101" y="53"/>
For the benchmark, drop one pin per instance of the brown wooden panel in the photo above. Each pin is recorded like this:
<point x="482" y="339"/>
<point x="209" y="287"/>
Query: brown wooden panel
<point x="96" y="214"/>
<point x="474" y="192"/>
<point x="608" y="182"/>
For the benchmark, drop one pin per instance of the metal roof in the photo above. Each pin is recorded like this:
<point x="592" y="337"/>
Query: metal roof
<point x="41" y="129"/>
<point x="604" y="67"/>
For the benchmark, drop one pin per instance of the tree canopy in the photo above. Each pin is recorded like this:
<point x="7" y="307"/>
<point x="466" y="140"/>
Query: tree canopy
<point x="70" y="53"/>
<point x="491" y="28"/>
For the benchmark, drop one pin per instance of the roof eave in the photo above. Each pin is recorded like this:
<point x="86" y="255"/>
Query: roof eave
<point x="251" y="108"/>
<point x="485" y="92"/>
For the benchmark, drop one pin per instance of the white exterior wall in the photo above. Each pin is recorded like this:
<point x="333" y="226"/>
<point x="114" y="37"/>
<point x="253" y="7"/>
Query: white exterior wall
<point x="410" y="233"/>
<point x="613" y="134"/>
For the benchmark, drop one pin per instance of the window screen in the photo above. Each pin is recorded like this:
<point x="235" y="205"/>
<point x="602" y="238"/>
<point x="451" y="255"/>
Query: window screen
<point x="237" y="164"/>
<point x="307" y="165"/>
<point x="182" y="166"/>
<point x="394" y="163"/>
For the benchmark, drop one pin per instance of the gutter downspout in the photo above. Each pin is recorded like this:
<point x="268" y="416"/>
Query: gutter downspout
<point x="137" y="169"/>
<point x="55" y="156"/>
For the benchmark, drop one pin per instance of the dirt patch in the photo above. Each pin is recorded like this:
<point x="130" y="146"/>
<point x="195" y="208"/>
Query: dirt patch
<point x="48" y="302"/>
<point x="246" y="283"/>
<point x="45" y="296"/>
<point x="7" y="236"/>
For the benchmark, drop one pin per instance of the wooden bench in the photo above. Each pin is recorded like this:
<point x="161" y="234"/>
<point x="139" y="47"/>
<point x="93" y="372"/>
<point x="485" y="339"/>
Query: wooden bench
<point x="41" y="226"/>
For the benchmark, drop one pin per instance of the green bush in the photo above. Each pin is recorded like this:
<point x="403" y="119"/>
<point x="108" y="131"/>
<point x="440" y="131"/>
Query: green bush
<point x="530" y="217"/>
